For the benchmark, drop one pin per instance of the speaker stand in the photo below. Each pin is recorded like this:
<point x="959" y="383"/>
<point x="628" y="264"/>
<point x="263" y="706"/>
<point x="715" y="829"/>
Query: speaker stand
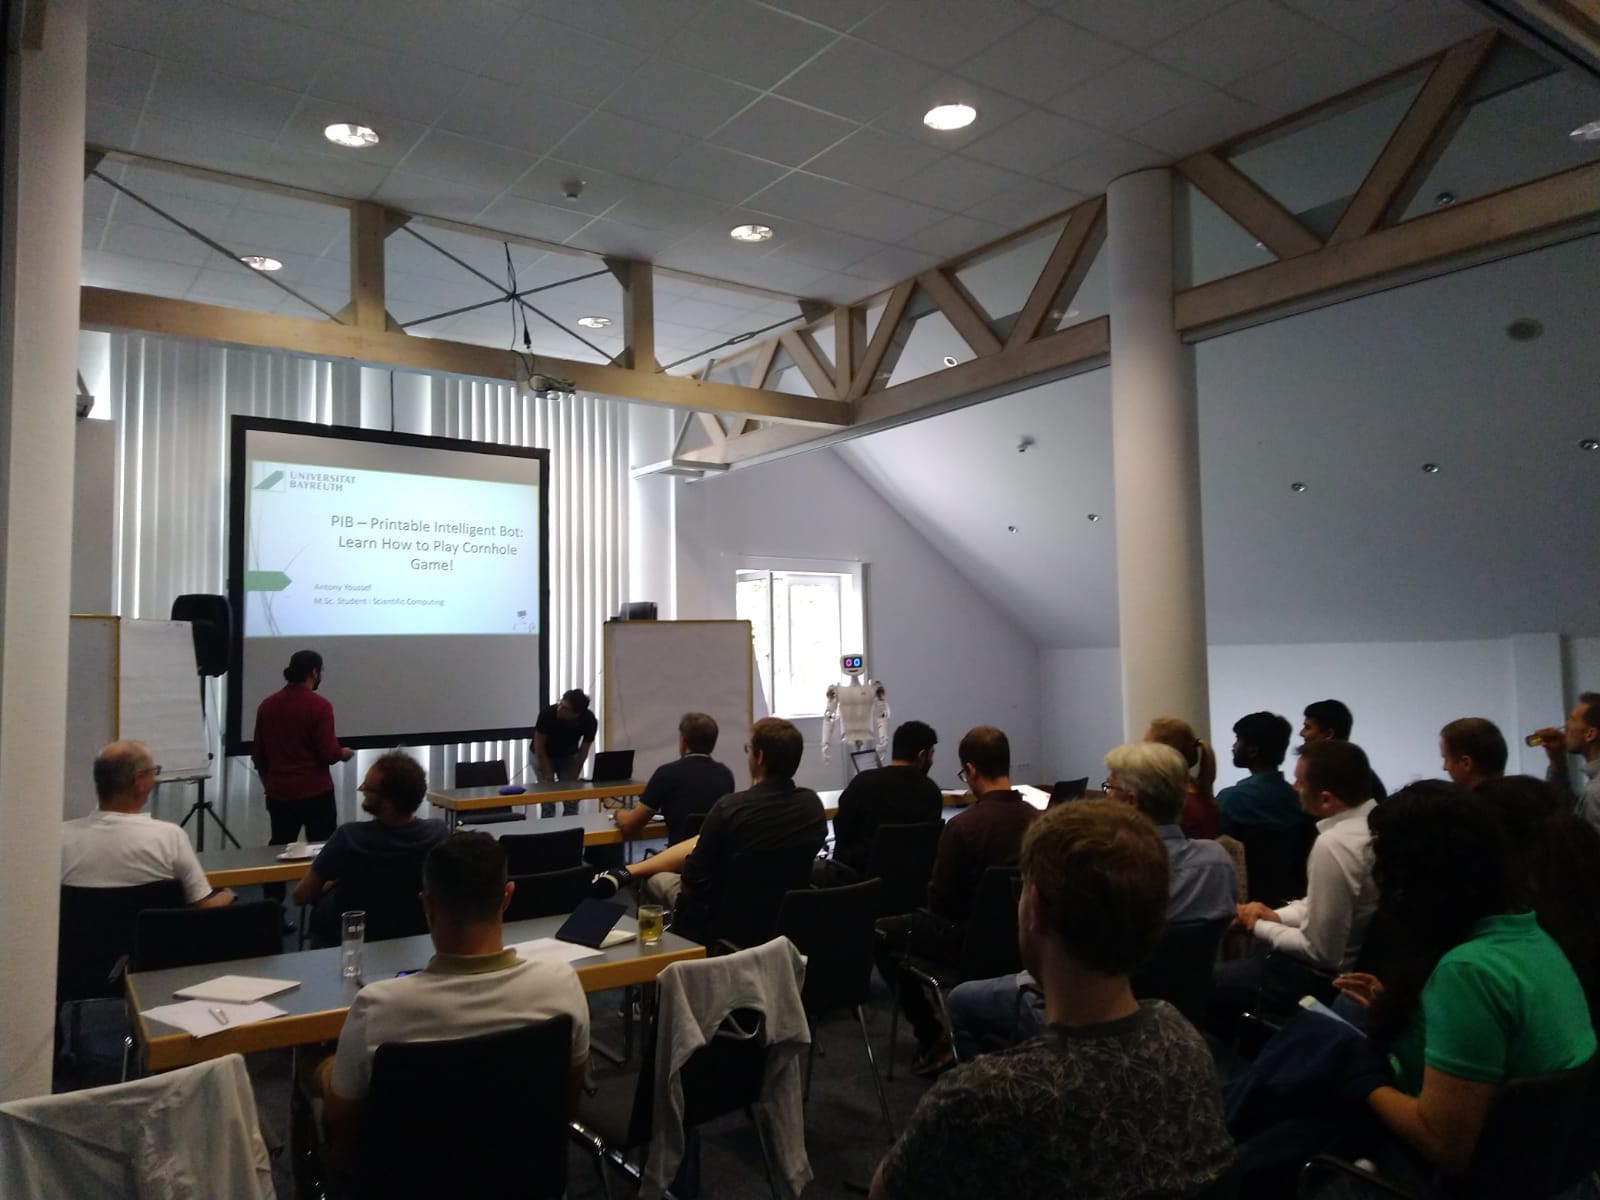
<point x="201" y="809"/>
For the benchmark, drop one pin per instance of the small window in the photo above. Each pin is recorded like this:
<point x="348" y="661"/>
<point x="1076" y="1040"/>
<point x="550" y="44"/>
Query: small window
<point x="803" y="622"/>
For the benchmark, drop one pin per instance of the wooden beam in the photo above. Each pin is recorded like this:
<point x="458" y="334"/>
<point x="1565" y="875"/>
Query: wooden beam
<point x="894" y="308"/>
<point x="962" y="313"/>
<point x="369" y="226"/>
<point x="1543" y="208"/>
<point x="969" y="383"/>
<point x="849" y="339"/>
<point x="799" y="347"/>
<point x="639" y="317"/>
<point x="713" y="427"/>
<point x="1398" y="172"/>
<point x="761" y="363"/>
<point x="102" y="308"/>
<point x="1231" y="190"/>
<point x="1068" y="263"/>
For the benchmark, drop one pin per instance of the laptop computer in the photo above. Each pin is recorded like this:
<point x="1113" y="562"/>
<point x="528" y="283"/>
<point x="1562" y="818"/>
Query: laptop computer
<point x="612" y="766"/>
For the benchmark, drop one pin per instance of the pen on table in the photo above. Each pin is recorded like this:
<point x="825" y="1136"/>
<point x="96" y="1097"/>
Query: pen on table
<point x="220" y="1014"/>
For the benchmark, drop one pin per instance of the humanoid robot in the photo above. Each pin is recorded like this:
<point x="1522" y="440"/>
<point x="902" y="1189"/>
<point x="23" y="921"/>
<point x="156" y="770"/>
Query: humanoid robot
<point x="858" y="710"/>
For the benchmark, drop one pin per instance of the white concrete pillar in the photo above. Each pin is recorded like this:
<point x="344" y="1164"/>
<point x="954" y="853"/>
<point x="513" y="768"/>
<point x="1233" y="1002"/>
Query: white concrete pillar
<point x="40" y="269"/>
<point x="1156" y="458"/>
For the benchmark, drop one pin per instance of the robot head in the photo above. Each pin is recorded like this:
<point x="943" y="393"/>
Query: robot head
<point x="853" y="665"/>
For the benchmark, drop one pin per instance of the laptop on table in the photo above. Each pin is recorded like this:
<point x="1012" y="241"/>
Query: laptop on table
<point x="612" y="766"/>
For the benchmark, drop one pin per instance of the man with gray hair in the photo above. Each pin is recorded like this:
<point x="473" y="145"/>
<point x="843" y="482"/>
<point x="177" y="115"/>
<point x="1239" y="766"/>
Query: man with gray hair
<point x="1203" y="888"/>
<point x="121" y="845"/>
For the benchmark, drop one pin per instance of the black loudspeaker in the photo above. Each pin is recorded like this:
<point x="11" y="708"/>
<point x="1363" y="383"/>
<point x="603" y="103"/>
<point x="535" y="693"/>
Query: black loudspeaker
<point x="212" y="621"/>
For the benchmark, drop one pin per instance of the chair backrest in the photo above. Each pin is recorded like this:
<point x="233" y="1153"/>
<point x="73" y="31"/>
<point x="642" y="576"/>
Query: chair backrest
<point x="1180" y="970"/>
<point x="989" y="946"/>
<point x="1275" y="860"/>
<point x="902" y="856"/>
<point x="186" y="937"/>
<point x="1241" y="867"/>
<point x="692" y="824"/>
<point x="549" y="893"/>
<point x="489" y="773"/>
<point x="495" y="1106"/>
<point x="836" y="929"/>
<point x="533" y="853"/>
<point x="96" y="935"/>
<point x="1527" y="1136"/>
<point x="745" y="911"/>
<point x="386" y="888"/>
<point x="723" y="1076"/>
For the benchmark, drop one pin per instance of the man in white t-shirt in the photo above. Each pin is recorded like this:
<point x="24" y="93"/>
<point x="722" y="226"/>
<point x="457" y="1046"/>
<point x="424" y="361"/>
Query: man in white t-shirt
<point x="471" y="985"/>
<point x="121" y="845"/>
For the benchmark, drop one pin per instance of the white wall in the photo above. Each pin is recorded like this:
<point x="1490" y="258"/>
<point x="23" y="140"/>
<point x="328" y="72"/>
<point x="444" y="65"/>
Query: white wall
<point x="948" y="656"/>
<point x="1400" y="692"/>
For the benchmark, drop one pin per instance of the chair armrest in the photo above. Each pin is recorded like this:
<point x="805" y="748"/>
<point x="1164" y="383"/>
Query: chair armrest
<point x="1323" y="1165"/>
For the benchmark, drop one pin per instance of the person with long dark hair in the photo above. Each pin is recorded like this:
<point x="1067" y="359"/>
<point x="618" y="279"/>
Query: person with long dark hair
<point x="1482" y="994"/>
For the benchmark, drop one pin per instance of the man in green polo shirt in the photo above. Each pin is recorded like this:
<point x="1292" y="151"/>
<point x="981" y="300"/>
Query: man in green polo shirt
<point x="471" y="985"/>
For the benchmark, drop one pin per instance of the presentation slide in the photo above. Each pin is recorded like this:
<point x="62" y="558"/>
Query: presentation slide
<point x="414" y="566"/>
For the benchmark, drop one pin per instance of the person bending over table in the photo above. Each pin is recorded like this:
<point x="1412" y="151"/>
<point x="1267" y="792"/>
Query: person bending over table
<point x="772" y="815"/>
<point x="562" y="738"/>
<point x="472" y="985"/>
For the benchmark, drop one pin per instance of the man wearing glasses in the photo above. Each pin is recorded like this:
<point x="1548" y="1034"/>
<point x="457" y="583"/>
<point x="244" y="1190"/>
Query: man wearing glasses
<point x="121" y="845"/>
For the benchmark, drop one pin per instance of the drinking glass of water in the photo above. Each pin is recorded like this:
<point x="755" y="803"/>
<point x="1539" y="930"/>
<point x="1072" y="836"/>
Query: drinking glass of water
<point x="651" y="921"/>
<point x="353" y="936"/>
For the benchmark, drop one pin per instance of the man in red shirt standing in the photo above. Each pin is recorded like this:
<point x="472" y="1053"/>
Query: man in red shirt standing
<point x="293" y="747"/>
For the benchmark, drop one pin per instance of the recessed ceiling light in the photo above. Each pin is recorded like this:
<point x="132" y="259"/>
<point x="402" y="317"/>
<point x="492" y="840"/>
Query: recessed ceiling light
<point x="353" y="137"/>
<point x="1444" y="199"/>
<point x="1297" y="486"/>
<point x="751" y="233"/>
<point x="1011" y="528"/>
<point x="1589" y="132"/>
<point x="1069" y="314"/>
<point x="945" y="117"/>
<point x="949" y="360"/>
<point x="1094" y="517"/>
<point x="260" y="262"/>
<point x="1430" y="468"/>
<point x="594" y="322"/>
<point x="1589" y="444"/>
<point x="1525" y="329"/>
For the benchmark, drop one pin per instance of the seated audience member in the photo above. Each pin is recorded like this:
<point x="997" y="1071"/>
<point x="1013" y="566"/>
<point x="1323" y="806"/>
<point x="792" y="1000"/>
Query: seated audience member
<point x="1114" y="1098"/>
<point x="898" y="794"/>
<point x="1323" y="931"/>
<point x="1580" y="736"/>
<point x="472" y="985"/>
<point x="1483" y="996"/>
<point x="1474" y="751"/>
<point x="1330" y="720"/>
<point x="360" y="852"/>
<point x="677" y="790"/>
<point x="121" y="845"/>
<point x="1263" y="812"/>
<point x="1199" y="817"/>
<point x="771" y="815"/>
<point x="988" y="834"/>
<point x="1203" y="888"/>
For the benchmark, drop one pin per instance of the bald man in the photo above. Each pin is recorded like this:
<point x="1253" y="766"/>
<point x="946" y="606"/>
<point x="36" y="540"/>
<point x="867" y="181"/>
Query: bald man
<point x="121" y="845"/>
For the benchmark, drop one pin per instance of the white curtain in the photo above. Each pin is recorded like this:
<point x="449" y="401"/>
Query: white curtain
<point x="171" y="401"/>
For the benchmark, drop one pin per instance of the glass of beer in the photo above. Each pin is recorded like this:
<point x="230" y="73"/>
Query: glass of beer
<point x="652" y="922"/>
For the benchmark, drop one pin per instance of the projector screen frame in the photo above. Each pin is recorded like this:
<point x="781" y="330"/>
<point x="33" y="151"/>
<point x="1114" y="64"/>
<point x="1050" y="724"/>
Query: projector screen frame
<point x="240" y="427"/>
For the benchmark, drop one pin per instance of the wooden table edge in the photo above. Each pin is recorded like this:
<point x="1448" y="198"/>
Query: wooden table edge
<point x="286" y="872"/>
<point x="599" y="791"/>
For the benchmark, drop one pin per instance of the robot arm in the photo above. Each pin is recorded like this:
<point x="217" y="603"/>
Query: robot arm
<point x="880" y="717"/>
<point x="830" y="716"/>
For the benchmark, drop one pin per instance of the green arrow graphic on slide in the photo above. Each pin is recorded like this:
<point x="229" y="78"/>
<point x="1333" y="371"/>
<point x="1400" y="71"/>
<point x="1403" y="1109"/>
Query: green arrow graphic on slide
<point x="266" y="484"/>
<point x="265" y="581"/>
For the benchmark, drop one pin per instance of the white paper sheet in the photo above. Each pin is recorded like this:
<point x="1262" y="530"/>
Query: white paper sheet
<point x="201" y="1017"/>
<point x="236" y="989"/>
<point x="1037" y="797"/>
<point x="557" y="951"/>
<point x="310" y="852"/>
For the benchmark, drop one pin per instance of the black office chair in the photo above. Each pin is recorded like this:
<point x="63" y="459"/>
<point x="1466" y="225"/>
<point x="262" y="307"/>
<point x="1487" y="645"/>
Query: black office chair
<point x="184" y="937"/>
<point x="95" y="939"/>
<point x="1275" y="861"/>
<point x="692" y="824"/>
<point x="496" y="1108"/>
<point x="835" y="928"/>
<point x="549" y="893"/>
<point x="387" y="889"/>
<point x="1180" y="971"/>
<point x="1525" y="1149"/>
<point x="489" y="773"/>
<point x="723" y="1076"/>
<point x="988" y="947"/>
<point x="902" y="857"/>
<point x="745" y="911"/>
<point x="535" y="853"/>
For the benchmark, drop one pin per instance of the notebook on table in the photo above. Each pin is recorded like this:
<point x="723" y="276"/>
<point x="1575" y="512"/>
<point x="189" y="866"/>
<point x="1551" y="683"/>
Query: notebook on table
<point x="591" y="923"/>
